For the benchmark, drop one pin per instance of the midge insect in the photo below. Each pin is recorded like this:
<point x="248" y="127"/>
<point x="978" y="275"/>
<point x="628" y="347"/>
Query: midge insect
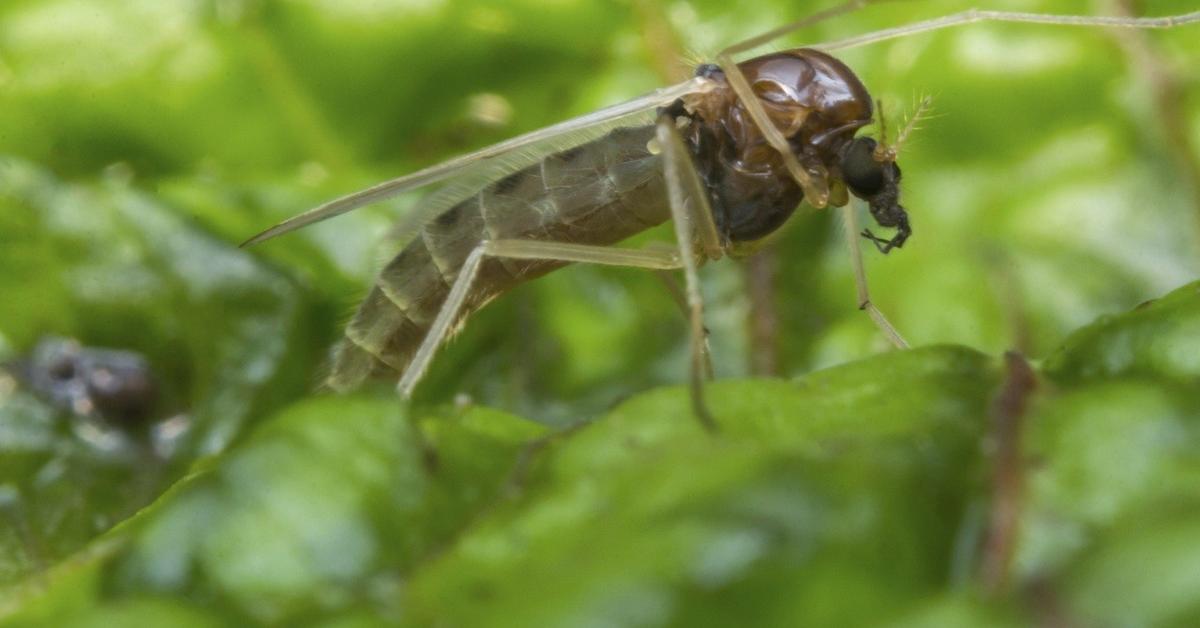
<point x="726" y="156"/>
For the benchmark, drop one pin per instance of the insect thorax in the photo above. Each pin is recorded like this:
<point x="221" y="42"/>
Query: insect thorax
<point x="814" y="99"/>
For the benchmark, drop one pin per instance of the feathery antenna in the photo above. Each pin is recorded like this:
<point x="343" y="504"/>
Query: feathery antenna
<point x="911" y="125"/>
<point x="886" y="150"/>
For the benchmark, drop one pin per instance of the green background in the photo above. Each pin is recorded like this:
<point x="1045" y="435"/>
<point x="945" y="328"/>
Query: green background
<point x="1053" y="190"/>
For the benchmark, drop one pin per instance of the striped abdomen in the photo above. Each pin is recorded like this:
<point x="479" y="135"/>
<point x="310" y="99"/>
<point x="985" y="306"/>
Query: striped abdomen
<point x="600" y="193"/>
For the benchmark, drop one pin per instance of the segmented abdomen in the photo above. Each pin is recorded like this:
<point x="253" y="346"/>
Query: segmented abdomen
<point x="600" y="193"/>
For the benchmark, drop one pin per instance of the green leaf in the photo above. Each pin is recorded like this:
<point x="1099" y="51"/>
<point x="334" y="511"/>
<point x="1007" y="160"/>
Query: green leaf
<point x="831" y="488"/>
<point x="1161" y="340"/>
<point x="107" y="264"/>
<point x="855" y="494"/>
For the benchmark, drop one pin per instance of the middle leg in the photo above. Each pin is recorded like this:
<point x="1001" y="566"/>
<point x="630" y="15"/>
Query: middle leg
<point x="693" y="219"/>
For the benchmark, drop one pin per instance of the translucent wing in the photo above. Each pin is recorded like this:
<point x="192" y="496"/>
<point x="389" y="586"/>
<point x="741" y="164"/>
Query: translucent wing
<point x="478" y="167"/>
<point x="471" y="179"/>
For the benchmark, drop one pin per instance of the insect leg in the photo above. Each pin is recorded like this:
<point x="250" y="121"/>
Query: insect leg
<point x="650" y="259"/>
<point x="815" y="183"/>
<point x="680" y="299"/>
<point x="678" y="170"/>
<point x="776" y="33"/>
<point x="860" y="279"/>
<point x="810" y="176"/>
<point x="677" y="162"/>
<point x="976" y="15"/>
<point x="442" y="323"/>
<point x="677" y="159"/>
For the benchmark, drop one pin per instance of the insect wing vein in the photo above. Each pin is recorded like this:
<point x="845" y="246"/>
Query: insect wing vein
<point x="482" y="157"/>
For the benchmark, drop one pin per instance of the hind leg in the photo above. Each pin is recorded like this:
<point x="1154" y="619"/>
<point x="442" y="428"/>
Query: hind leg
<point x="518" y="249"/>
<point x="648" y="259"/>
<point x="461" y="289"/>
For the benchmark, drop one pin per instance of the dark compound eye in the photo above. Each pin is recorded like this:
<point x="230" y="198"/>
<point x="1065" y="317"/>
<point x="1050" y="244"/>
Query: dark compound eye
<point x="861" y="172"/>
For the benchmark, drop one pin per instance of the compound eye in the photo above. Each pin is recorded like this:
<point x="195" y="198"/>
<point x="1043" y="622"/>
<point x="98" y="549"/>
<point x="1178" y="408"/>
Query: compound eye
<point x="861" y="172"/>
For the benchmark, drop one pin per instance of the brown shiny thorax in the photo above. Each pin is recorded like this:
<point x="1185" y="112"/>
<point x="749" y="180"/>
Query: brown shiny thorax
<point x="814" y="99"/>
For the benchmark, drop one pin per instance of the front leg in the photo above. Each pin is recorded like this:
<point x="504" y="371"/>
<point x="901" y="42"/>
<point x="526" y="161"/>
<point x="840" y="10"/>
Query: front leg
<point x="860" y="280"/>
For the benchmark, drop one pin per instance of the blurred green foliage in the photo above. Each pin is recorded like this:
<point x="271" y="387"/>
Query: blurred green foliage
<point x="1051" y="191"/>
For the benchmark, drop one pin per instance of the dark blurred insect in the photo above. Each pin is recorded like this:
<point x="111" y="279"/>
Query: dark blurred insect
<point x="115" y="386"/>
<point x="727" y="156"/>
